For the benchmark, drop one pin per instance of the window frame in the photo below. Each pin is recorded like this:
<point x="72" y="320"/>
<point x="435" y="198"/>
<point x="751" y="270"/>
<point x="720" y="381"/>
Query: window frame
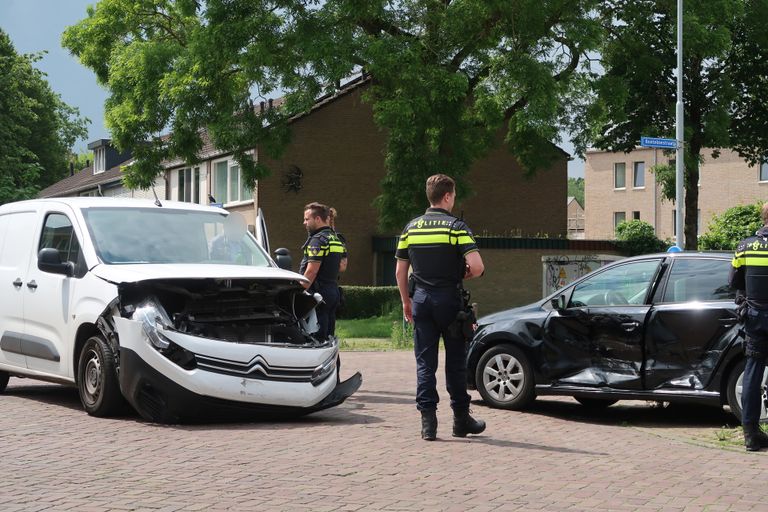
<point x="231" y="163"/>
<point x="760" y="178"/>
<point x="635" y="166"/>
<point x="615" y="223"/>
<point x="615" y="175"/>
<point x="661" y="294"/>
<point x="79" y="261"/>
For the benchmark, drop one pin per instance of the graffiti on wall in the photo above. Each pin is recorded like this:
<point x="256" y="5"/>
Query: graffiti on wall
<point x="561" y="270"/>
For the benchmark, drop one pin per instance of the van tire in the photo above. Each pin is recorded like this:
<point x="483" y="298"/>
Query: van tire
<point x="97" y="379"/>
<point x="4" y="376"/>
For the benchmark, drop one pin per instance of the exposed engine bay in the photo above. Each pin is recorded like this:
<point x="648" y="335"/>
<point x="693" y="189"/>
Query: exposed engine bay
<point x="236" y="310"/>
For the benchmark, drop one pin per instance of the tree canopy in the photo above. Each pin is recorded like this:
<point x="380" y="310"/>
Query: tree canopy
<point x="725" y="50"/>
<point x="37" y="129"/>
<point x="448" y="76"/>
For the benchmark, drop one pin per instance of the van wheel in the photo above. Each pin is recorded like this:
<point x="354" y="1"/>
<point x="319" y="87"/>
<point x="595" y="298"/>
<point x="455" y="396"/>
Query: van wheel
<point x="504" y="378"/>
<point x="4" y="376"/>
<point x="97" y="378"/>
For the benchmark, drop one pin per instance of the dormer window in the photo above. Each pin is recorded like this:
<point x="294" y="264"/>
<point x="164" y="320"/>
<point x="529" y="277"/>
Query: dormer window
<point x="99" y="160"/>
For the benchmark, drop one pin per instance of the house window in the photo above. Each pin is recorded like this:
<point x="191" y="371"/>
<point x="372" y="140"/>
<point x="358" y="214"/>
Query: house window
<point x="99" y="160"/>
<point x="638" y="175"/>
<point x="618" y="218"/>
<point x="619" y="175"/>
<point x="635" y="215"/>
<point x="764" y="171"/>
<point x="188" y="185"/>
<point x="228" y="185"/>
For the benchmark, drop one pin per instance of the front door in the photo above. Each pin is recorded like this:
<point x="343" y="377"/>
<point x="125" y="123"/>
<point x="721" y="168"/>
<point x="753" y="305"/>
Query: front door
<point x="601" y="332"/>
<point x="47" y="300"/>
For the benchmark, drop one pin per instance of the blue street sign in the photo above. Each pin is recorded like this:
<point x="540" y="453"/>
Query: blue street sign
<point x="217" y="205"/>
<point x="658" y="142"/>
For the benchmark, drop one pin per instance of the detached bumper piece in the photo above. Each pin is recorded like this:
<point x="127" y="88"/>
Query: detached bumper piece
<point x="159" y="399"/>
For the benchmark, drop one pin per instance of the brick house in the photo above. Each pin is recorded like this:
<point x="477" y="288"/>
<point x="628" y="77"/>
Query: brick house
<point x="336" y="157"/>
<point x="620" y="186"/>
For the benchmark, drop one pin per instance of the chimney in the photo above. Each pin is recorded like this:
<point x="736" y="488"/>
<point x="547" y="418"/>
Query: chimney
<point x="270" y="103"/>
<point x="261" y="107"/>
<point x="71" y="168"/>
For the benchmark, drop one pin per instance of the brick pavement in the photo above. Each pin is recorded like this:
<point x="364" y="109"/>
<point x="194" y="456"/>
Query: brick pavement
<point x="367" y="455"/>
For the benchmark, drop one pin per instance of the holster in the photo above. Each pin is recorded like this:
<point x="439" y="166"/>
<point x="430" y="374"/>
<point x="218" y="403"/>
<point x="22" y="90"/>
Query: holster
<point x="411" y="285"/>
<point x="464" y="324"/>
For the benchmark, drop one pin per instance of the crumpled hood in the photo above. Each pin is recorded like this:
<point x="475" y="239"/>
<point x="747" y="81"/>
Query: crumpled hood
<point x="134" y="273"/>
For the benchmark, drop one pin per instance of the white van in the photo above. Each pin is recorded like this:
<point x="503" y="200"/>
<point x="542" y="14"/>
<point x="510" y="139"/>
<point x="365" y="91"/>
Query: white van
<point x="169" y="305"/>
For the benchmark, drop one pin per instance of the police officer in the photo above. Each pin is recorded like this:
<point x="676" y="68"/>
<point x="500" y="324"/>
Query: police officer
<point x="749" y="276"/>
<point x="322" y="255"/>
<point x="332" y="216"/>
<point x="441" y="250"/>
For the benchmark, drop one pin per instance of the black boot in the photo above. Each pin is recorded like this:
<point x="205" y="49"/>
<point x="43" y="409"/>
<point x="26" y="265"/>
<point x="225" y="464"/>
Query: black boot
<point x="754" y="438"/>
<point x="429" y="425"/>
<point x="464" y="424"/>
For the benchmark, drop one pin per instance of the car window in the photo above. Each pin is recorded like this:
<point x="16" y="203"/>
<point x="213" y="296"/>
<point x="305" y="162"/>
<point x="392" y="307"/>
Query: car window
<point x="59" y="234"/>
<point x="620" y="285"/>
<point x="698" y="280"/>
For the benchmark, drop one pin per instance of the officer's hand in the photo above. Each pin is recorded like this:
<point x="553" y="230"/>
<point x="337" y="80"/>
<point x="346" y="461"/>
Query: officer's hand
<point x="407" y="311"/>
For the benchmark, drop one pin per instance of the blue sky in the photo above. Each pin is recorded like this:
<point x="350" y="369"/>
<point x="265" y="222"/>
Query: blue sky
<point x="37" y="25"/>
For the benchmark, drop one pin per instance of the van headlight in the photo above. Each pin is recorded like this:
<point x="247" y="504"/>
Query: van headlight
<point x="325" y="370"/>
<point x="151" y="315"/>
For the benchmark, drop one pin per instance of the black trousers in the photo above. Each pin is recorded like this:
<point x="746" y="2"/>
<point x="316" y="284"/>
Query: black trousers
<point x="756" y="350"/>
<point x="326" y="310"/>
<point x="434" y="310"/>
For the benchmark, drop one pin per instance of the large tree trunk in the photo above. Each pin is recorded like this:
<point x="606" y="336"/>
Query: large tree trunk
<point x="691" y="181"/>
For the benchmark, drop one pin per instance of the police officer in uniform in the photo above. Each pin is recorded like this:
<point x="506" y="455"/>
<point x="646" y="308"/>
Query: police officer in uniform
<point x="441" y="250"/>
<point x="749" y="277"/>
<point x="322" y="256"/>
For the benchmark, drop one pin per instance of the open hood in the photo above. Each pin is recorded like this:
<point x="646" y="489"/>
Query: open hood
<point x="120" y="274"/>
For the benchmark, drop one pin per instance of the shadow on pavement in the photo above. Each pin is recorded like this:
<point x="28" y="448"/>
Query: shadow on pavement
<point x="384" y="397"/>
<point x="516" y="444"/>
<point x="632" y="413"/>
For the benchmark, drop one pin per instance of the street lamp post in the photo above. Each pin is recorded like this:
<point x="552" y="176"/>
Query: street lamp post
<point x="680" y="134"/>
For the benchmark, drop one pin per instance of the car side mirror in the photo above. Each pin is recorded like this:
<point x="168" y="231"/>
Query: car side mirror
<point x="49" y="260"/>
<point x="559" y="303"/>
<point x="283" y="258"/>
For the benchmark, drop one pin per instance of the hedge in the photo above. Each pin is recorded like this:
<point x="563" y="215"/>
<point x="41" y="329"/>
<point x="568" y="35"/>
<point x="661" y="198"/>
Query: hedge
<point x="368" y="301"/>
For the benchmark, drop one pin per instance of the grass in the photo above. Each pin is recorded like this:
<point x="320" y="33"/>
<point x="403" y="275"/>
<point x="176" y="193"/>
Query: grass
<point x="375" y="327"/>
<point x="733" y="436"/>
<point x="368" y="345"/>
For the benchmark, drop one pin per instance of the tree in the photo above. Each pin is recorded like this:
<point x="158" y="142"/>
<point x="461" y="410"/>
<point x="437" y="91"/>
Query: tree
<point x="37" y="128"/>
<point x="576" y="189"/>
<point x="734" y="224"/>
<point x="725" y="73"/>
<point x="638" y="237"/>
<point x="446" y="77"/>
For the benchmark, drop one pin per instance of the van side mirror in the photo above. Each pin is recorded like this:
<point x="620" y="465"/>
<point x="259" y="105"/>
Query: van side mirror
<point x="559" y="303"/>
<point x="49" y="260"/>
<point x="283" y="258"/>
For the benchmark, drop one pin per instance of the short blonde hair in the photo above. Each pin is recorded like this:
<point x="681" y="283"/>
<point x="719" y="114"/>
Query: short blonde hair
<point x="764" y="214"/>
<point x="437" y="186"/>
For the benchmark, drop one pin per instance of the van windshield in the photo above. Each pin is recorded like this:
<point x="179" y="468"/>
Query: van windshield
<point x="161" y="235"/>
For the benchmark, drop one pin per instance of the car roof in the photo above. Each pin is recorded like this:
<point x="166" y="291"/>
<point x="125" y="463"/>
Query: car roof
<point x="112" y="202"/>
<point x="681" y="254"/>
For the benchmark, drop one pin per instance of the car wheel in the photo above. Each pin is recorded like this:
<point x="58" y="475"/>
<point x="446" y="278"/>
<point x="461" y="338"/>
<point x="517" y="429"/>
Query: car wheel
<point x="734" y="391"/>
<point x="4" y="376"/>
<point x="97" y="378"/>
<point x="595" y="403"/>
<point x="504" y="378"/>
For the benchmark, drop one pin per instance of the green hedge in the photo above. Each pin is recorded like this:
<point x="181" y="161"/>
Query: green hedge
<point x="368" y="301"/>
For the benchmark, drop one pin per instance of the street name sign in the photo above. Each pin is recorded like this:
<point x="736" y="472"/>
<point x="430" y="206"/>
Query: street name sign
<point x="658" y="142"/>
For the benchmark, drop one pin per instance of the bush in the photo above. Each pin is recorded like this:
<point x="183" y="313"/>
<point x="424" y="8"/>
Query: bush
<point x="734" y="224"/>
<point x="369" y="301"/>
<point x="638" y="237"/>
<point x="402" y="334"/>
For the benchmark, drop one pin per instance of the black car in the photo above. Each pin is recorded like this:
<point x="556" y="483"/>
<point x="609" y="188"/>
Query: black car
<point x="655" y="327"/>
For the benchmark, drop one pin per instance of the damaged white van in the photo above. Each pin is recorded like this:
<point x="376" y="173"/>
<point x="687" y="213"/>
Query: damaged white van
<point x="167" y="305"/>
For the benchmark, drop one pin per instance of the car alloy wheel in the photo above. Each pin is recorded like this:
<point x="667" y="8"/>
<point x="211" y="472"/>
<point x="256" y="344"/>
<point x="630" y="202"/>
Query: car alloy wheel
<point x="735" y="391"/>
<point x="504" y="377"/>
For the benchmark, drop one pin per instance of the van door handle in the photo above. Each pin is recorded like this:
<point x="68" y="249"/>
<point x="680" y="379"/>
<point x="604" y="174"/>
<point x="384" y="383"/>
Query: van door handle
<point x="630" y="326"/>
<point x="727" y="322"/>
<point x="17" y="283"/>
<point x="32" y="285"/>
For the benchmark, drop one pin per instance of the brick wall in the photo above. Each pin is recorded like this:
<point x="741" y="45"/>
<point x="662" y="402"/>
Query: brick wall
<point x="339" y="151"/>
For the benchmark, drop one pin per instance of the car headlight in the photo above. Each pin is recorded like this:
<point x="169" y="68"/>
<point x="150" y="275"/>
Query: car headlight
<point x="325" y="370"/>
<point x="151" y="315"/>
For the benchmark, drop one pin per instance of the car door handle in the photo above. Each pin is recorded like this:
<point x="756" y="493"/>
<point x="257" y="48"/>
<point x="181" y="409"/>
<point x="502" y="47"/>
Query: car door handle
<point x="32" y="285"/>
<point x="630" y="326"/>
<point x="727" y="322"/>
<point x="18" y="282"/>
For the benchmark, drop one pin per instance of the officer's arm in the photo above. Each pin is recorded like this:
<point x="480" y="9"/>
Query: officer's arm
<point x="401" y="275"/>
<point x="475" y="267"/>
<point x="736" y="279"/>
<point x="343" y="265"/>
<point x="313" y="267"/>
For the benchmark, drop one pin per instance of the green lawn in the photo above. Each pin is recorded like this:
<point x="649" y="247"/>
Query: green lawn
<point x="369" y="345"/>
<point x="375" y="327"/>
